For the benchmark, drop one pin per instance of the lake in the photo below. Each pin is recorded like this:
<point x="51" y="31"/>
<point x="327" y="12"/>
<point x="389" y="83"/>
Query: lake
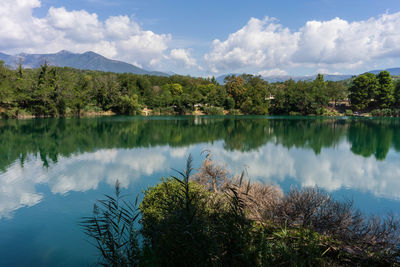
<point x="53" y="170"/>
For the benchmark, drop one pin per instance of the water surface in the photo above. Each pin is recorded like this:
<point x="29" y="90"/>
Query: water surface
<point x="53" y="170"/>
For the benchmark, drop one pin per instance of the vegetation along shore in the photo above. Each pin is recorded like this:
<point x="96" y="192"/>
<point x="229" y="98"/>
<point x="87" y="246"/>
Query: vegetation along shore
<point x="213" y="218"/>
<point x="51" y="91"/>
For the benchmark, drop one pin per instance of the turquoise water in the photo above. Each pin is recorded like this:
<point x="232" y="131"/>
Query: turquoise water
<point x="53" y="170"/>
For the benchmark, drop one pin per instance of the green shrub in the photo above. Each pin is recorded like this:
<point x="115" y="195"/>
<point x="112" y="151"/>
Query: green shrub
<point x="213" y="110"/>
<point x="128" y="105"/>
<point x="185" y="224"/>
<point x="234" y="112"/>
<point x="174" y="223"/>
<point x="14" y="113"/>
<point x="376" y="113"/>
<point x="320" y="111"/>
<point x="396" y="112"/>
<point x="163" y="111"/>
<point x="386" y="112"/>
<point x="229" y="103"/>
<point x="348" y="112"/>
<point x="92" y="109"/>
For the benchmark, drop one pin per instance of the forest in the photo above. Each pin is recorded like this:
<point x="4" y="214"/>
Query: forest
<point x="51" y="91"/>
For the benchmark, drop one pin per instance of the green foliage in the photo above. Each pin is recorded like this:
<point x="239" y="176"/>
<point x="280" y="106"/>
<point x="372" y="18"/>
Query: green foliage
<point x="235" y="88"/>
<point x="348" y="112"/>
<point x="154" y="204"/>
<point x="370" y="91"/>
<point x="382" y="112"/>
<point x="363" y="89"/>
<point x="300" y="97"/>
<point x="57" y="92"/>
<point x="336" y="91"/>
<point x="14" y="113"/>
<point x="52" y="91"/>
<point x="385" y="92"/>
<point x="174" y="222"/>
<point x="213" y="110"/>
<point x="296" y="247"/>
<point x="128" y="105"/>
<point x="184" y="224"/>
<point x="234" y="112"/>
<point x="229" y="103"/>
<point x="397" y="94"/>
<point x="175" y="89"/>
<point x="112" y="227"/>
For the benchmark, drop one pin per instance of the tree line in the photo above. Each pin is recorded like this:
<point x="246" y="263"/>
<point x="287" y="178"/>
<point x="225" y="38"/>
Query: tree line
<point x="51" y="91"/>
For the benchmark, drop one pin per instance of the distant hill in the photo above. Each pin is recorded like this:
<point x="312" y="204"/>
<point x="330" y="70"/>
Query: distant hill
<point x="392" y="71"/>
<point x="327" y="77"/>
<point x="4" y="57"/>
<point x="282" y="78"/>
<point x="86" y="61"/>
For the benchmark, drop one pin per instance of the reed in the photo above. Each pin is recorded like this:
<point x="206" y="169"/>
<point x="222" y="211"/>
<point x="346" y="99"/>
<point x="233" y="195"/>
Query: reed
<point x="212" y="218"/>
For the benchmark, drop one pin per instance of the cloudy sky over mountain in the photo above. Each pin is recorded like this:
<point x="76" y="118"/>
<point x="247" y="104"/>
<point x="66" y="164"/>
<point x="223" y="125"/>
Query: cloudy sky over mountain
<point x="212" y="37"/>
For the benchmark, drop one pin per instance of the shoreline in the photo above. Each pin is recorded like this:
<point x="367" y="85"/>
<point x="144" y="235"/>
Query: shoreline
<point x="146" y="112"/>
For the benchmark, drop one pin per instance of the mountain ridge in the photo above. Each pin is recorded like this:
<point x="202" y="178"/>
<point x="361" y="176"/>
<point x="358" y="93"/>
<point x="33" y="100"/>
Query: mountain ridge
<point x="88" y="60"/>
<point x="327" y="77"/>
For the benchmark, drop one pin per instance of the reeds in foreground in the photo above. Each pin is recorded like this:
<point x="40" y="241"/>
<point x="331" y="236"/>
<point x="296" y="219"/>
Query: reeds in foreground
<point x="213" y="219"/>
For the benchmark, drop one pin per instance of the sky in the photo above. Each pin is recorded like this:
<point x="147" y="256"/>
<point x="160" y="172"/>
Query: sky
<point x="205" y="38"/>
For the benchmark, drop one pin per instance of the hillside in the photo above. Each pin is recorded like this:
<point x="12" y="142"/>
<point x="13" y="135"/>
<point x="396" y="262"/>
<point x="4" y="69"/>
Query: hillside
<point x="88" y="61"/>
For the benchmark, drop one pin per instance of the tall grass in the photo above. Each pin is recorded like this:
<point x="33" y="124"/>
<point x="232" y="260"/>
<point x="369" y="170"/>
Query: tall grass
<point x="112" y="228"/>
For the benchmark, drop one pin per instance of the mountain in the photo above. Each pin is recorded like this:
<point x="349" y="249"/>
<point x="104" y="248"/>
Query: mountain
<point x="85" y="61"/>
<point x="392" y="71"/>
<point x="327" y="77"/>
<point x="4" y="57"/>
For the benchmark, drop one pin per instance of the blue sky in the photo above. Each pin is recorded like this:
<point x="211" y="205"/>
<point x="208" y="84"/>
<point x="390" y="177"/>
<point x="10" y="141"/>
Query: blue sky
<point x="212" y="37"/>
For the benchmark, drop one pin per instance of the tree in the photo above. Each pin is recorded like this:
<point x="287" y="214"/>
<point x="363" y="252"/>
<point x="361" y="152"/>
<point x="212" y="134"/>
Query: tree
<point x="336" y="91"/>
<point x="6" y="94"/>
<point x="385" y="92"/>
<point x="128" y="105"/>
<point x="319" y="92"/>
<point x="175" y="89"/>
<point x="235" y="88"/>
<point x="363" y="90"/>
<point x="397" y="94"/>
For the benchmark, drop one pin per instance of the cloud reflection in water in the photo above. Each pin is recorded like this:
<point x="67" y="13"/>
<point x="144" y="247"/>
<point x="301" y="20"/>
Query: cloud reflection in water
<point x="332" y="169"/>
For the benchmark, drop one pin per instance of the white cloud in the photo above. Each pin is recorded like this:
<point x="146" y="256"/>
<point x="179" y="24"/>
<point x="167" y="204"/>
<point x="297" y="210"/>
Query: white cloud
<point x="182" y="56"/>
<point x="79" y="26"/>
<point x="335" y="43"/>
<point x="260" y="43"/>
<point x="333" y="169"/>
<point x="80" y="172"/>
<point x="272" y="72"/>
<point x="15" y="191"/>
<point x="120" y="27"/>
<point x="118" y="37"/>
